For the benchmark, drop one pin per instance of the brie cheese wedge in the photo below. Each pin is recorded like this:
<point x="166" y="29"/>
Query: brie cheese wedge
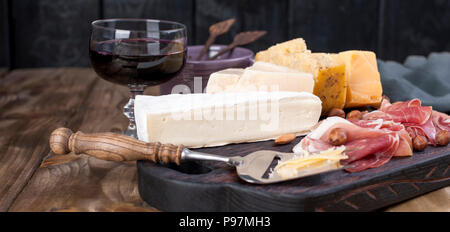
<point x="205" y="120"/>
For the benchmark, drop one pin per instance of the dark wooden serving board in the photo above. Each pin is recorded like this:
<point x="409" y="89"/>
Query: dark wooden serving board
<point x="212" y="186"/>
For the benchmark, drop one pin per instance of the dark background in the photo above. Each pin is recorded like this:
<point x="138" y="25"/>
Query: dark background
<point x="49" y="33"/>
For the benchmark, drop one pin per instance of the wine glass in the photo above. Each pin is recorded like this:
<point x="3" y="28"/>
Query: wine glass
<point x="137" y="53"/>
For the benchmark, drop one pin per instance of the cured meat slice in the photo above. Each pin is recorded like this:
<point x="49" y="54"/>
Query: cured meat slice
<point x="373" y="161"/>
<point x="441" y="121"/>
<point x="407" y="112"/>
<point x="369" y="144"/>
<point x="417" y="119"/>
<point x="405" y="143"/>
<point x="358" y="149"/>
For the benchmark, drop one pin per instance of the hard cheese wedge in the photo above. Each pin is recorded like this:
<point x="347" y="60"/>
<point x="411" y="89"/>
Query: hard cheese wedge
<point x="328" y="72"/>
<point x="204" y="120"/>
<point x="281" y="50"/>
<point x="363" y="78"/>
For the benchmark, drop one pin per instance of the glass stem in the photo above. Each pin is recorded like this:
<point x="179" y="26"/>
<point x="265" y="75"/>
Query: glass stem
<point x="128" y="109"/>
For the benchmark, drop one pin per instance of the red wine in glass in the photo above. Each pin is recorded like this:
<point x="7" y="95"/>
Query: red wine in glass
<point x="137" y="61"/>
<point x="137" y="53"/>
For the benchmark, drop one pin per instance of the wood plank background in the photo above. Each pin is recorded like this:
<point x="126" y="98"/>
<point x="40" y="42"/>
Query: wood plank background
<point x="4" y="34"/>
<point x="34" y="102"/>
<point x="55" y="33"/>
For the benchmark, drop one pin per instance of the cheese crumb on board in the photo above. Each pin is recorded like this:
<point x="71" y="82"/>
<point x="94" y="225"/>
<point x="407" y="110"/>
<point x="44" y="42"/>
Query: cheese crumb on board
<point x="301" y="165"/>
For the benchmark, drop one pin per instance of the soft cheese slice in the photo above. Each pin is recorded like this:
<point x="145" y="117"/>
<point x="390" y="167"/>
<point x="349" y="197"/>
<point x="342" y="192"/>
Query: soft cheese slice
<point x="269" y="67"/>
<point x="204" y="120"/>
<point x="254" y="79"/>
<point x="363" y="78"/>
<point x="223" y="80"/>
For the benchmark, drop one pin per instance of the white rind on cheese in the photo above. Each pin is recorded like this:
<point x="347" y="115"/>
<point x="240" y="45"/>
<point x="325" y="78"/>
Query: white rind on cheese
<point x="205" y="120"/>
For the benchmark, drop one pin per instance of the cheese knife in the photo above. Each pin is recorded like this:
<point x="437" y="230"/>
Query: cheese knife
<point x="255" y="167"/>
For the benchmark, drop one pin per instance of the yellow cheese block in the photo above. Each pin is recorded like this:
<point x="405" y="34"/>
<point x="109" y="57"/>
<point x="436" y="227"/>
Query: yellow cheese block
<point x="329" y="73"/>
<point x="347" y="79"/>
<point x="331" y="87"/>
<point x="289" y="47"/>
<point x="282" y="52"/>
<point x="363" y="78"/>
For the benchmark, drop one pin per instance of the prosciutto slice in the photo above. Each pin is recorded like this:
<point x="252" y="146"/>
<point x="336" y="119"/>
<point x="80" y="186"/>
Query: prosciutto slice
<point x="417" y="119"/>
<point x="369" y="144"/>
<point x="441" y="121"/>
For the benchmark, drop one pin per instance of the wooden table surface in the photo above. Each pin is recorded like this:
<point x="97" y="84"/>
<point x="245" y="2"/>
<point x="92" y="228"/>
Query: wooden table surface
<point x="34" y="102"/>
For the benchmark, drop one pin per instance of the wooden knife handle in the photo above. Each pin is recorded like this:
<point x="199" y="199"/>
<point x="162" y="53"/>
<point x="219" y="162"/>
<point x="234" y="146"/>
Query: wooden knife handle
<point x="208" y="44"/>
<point x="223" y="51"/>
<point x="113" y="147"/>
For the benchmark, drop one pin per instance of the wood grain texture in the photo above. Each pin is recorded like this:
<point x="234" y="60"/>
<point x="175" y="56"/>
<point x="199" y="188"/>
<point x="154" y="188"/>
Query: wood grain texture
<point x="3" y="72"/>
<point x="437" y="201"/>
<point x="394" y="29"/>
<point x="333" y="26"/>
<point x="28" y="113"/>
<point x="36" y="101"/>
<point x="79" y="183"/>
<point x="52" y="33"/>
<point x="172" y="10"/>
<point x="267" y="15"/>
<point x="197" y="186"/>
<point x="208" y="12"/>
<point x="415" y="28"/>
<point x="70" y="183"/>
